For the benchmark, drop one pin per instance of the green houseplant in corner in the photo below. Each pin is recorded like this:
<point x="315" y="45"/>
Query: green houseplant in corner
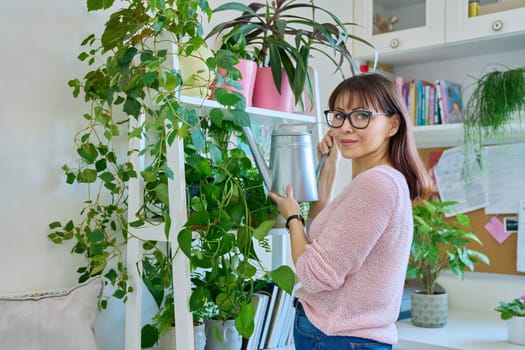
<point x="131" y="76"/>
<point x="439" y="244"/>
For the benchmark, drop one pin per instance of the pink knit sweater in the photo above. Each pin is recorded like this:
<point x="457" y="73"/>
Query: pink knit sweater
<point x="353" y="271"/>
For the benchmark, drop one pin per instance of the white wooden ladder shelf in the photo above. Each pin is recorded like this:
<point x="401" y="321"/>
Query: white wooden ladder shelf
<point x="181" y="269"/>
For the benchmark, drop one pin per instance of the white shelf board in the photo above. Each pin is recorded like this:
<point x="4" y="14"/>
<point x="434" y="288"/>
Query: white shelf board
<point x="451" y="135"/>
<point x="446" y="135"/>
<point x="258" y="115"/>
<point x="465" y="330"/>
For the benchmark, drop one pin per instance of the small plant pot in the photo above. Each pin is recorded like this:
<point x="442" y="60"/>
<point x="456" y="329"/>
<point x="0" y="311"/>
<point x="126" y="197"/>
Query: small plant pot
<point x="222" y="335"/>
<point x="168" y="340"/>
<point x="429" y="310"/>
<point x="266" y="95"/>
<point x="248" y="71"/>
<point x="516" y="330"/>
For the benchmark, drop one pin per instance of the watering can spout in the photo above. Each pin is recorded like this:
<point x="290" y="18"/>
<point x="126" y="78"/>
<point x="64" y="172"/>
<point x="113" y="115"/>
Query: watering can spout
<point x="291" y="162"/>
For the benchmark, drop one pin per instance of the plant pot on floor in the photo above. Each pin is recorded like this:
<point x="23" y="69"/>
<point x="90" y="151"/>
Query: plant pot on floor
<point x="429" y="310"/>
<point x="516" y="330"/>
<point x="230" y="339"/>
<point x="266" y="95"/>
<point x="168" y="340"/>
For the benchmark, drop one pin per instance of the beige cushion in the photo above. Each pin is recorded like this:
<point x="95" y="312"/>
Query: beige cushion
<point x="51" y="320"/>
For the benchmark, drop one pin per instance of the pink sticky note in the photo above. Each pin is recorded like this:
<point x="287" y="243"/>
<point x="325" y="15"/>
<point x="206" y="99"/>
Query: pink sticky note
<point x="496" y="229"/>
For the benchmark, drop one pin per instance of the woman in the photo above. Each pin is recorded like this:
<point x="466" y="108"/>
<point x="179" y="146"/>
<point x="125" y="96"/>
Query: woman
<point x="351" y="270"/>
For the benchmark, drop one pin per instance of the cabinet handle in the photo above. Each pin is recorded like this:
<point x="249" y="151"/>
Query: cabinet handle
<point x="497" y="25"/>
<point x="394" y="43"/>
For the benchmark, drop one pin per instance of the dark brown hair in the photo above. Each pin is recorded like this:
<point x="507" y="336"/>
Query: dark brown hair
<point x="375" y="90"/>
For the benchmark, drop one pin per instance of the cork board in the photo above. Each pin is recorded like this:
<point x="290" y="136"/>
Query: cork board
<point x="502" y="256"/>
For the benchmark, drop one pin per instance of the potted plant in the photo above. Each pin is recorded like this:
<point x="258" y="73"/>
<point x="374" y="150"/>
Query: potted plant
<point x="514" y="312"/>
<point x="229" y="214"/>
<point x="132" y="93"/>
<point x="498" y="100"/>
<point x="282" y="39"/>
<point x="438" y="244"/>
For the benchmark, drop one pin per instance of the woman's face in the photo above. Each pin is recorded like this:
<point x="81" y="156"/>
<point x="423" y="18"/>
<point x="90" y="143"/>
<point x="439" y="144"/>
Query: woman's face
<point x="368" y="146"/>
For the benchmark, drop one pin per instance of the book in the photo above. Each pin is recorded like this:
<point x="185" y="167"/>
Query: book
<point x="452" y="102"/>
<point x="260" y="302"/>
<point x="269" y="316"/>
<point x="276" y="320"/>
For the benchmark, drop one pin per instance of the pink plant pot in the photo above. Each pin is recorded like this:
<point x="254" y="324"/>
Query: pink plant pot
<point x="266" y="95"/>
<point x="248" y="71"/>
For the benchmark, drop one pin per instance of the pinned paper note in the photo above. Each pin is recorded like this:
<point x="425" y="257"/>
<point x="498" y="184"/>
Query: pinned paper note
<point x="497" y="230"/>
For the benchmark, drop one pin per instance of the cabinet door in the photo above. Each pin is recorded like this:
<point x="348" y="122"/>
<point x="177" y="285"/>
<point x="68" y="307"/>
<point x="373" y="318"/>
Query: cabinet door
<point x="492" y="18"/>
<point x="418" y="24"/>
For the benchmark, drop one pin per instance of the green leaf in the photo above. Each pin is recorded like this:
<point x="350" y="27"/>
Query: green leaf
<point x="88" y="152"/>
<point x="244" y="321"/>
<point x="87" y="176"/>
<point x="96" y="236"/>
<point x="94" y="5"/>
<point x="198" y="139"/>
<point x="184" y="239"/>
<point x="149" y="336"/>
<point x="161" y="190"/>
<point x="240" y="117"/>
<point x="263" y="229"/>
<point x="132" y="107"/>
<point x="284" y="277"/>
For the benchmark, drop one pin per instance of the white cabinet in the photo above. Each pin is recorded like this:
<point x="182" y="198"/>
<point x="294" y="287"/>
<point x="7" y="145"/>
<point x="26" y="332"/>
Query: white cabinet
<point x="419" y="23"/>
<point x="495" y="19"/>
<point x="439" y="29"/>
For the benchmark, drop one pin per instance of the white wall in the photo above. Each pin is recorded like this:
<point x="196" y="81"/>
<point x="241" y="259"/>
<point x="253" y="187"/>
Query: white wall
<point x="40" y="43"/>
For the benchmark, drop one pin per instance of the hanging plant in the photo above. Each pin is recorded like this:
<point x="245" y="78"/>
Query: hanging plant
<point x="498" y="97"/>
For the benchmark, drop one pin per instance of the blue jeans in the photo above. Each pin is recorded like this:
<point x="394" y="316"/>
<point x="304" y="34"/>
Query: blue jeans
<point x="309" y="337"/>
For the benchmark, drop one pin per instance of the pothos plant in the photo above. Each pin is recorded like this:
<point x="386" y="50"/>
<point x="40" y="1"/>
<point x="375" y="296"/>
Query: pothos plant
<point x="131" y="76"/>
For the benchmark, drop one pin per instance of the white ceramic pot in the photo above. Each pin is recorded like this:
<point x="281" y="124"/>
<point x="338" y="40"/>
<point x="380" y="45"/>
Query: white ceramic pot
<point x="168" y="340"/>
<point x="230" y="339"/>
<point x="516" y="330"/>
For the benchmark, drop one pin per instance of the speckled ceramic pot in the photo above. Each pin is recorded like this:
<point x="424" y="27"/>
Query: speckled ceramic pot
<point x="429" y="310"/>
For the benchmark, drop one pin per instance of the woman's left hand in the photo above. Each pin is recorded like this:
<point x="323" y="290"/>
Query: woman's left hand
<point x="286" y="205"/>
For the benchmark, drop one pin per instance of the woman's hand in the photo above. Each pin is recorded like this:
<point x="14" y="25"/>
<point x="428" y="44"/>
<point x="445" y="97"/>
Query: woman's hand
<point x="328" y="147"/>
<point x="286" y="205"/>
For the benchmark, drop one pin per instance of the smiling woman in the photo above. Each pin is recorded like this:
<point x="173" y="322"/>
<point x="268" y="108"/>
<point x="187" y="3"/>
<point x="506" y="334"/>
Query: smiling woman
<point x="359" y="241"/>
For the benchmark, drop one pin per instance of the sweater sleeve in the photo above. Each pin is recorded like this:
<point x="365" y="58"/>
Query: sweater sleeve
<point x="345" y="232"/>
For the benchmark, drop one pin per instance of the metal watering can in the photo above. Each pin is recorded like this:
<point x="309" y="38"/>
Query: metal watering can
<point x="291" y="161"/>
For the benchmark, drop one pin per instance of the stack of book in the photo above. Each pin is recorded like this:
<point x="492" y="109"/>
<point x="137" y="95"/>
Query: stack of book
<point x="274" y="317"/>
<point x="432" y="103"/>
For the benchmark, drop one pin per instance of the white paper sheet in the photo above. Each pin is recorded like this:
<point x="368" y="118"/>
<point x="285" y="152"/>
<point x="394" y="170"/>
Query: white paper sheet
<point x="506" y="177"/>
<point x="520" y="246"/>
<point x="460" y="181"/>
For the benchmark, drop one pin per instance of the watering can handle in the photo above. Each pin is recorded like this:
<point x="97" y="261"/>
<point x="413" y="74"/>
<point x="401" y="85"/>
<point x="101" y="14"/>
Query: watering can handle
<point x="320" y="166"/>
<point x="259" y="159"/>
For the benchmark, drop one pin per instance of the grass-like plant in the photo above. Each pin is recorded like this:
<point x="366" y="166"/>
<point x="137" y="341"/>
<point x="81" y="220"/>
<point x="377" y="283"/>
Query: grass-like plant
<point x="497" y="97"/>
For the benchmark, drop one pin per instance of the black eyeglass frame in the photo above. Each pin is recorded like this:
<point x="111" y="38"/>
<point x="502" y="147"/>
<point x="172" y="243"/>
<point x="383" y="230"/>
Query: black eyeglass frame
<point x="347" y="116"/>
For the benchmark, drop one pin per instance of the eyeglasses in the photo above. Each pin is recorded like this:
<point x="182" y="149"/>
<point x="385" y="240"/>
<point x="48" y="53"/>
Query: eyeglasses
<point x="359" y="118"/>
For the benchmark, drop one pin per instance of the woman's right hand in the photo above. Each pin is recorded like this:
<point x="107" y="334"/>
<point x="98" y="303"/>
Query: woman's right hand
<point x="328" y="147"/>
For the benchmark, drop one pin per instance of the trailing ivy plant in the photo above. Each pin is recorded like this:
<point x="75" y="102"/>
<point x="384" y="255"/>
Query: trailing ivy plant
<point x="131" y="76"/>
